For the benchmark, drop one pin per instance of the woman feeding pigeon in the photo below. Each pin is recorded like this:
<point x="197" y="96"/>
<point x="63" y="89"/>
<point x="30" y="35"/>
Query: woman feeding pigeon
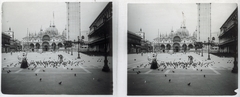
<point x="154" y="64"/>
<point x="24" y="63"/>
<point x="60" y="57"/>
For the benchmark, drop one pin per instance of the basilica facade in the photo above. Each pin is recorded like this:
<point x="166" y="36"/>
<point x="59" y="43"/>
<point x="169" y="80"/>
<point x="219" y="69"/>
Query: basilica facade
<point x="45" y="40"/>
<point x="177" y="41"/>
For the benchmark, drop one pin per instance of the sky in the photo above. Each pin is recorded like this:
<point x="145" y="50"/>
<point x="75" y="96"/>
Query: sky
<point x="152" y="17"/>
<point x="21" y="16"/>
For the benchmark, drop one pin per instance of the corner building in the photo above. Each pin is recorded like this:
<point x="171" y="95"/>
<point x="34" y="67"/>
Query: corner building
<point x="100" y="34"/>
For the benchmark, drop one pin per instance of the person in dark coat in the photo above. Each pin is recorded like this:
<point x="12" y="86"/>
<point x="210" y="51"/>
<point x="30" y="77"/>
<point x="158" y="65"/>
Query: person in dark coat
<point x="24" y="63"/>
<point x="154" y="64"/>
<point x="60" y="57"/>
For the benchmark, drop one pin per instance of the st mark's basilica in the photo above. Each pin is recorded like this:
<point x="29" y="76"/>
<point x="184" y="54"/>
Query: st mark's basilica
<point x="45" y="40"/>
<point x="178" y="41"/>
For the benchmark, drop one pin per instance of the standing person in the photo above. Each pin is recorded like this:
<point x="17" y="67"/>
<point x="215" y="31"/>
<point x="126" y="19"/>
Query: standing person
<point x="60" y="57"/>
<point x="24" y="63"/>
<point x="154" y="64"/>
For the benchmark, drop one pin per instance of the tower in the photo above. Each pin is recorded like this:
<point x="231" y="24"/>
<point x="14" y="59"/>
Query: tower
<point x="73" y="20"/>
<point x="204" y="21"/>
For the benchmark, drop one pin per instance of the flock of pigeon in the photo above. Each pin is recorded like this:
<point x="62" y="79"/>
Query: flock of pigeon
<point x="32" y="65"/>
<point x="172" y="66"/>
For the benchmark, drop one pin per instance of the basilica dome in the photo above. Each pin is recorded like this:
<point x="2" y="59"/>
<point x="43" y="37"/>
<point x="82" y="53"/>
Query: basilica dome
<point x="52" y="30"/>
<point x="172" y="33"/>
<point x="182" y="31"/>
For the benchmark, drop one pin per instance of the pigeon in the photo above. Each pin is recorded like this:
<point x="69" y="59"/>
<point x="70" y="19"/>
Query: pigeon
<point x="75" y="74"/>
<point x="158" y="69"/>
<point x="134" y="59"/>
<point x="40" y="79"/>
<point x="71" y="68"/>
<point x="133" y="69"/>
<point x="189" y="84"/>
<point x="43" y="70"/>
<point x="60" y="83"/>
<point x="36" y="74"/>
<point x="169" y="80"/>
<point x="165" y="75"/>
<point x="201" y="69"/>
<point x="204" y="75"/>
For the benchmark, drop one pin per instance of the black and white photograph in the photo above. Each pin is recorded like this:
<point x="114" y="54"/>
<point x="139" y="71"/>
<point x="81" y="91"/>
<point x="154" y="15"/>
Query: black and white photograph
<point x="57" y="48"/>
<point x="182" y="49"/>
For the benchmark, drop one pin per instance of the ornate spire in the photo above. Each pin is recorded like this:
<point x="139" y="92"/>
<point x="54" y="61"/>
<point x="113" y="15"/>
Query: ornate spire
<point x="41" y="28"/>
<point x="50" y="24"/>
<point x="53" y="20"/>
<point x="183" y="23"/>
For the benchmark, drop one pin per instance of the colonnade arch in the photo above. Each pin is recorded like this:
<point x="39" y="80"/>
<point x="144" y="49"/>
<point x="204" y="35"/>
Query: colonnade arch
<point x="32" y="47"/>
<point x="176" y="47"/>
<point x="45" y="46"/>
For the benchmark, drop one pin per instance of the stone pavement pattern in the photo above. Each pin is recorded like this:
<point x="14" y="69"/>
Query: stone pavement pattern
<point x="218" y="78"/>
<point x="89" y="78"/>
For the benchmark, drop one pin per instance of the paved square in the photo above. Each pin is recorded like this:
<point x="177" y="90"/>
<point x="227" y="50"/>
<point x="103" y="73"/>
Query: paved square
<point x="205" y="77"/>
<point x="78" y="76"/>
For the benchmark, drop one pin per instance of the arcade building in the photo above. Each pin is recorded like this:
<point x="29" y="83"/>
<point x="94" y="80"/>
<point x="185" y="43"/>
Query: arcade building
<point x="134" y="42"/>
<point x="100" y="34"/>
<point x="178" y="41"/>
<point x="47" y="40"/>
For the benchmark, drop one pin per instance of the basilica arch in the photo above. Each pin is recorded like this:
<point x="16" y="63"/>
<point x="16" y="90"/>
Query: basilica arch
<point x="46" y="38"/>
<point x="176" y="47"/>
<point x="168" y="47"/>
<point x="32" y="47"/>
<point x="176" y="39"/>
<point x="163" y="47"/>
<point x="37" y="46"/>
<point x="190" y="46"/>
<point x="54" y="46"/>
<point x="60" y="45"/>
<point x="184" y="47"/>
<point x="45" y="46"/>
